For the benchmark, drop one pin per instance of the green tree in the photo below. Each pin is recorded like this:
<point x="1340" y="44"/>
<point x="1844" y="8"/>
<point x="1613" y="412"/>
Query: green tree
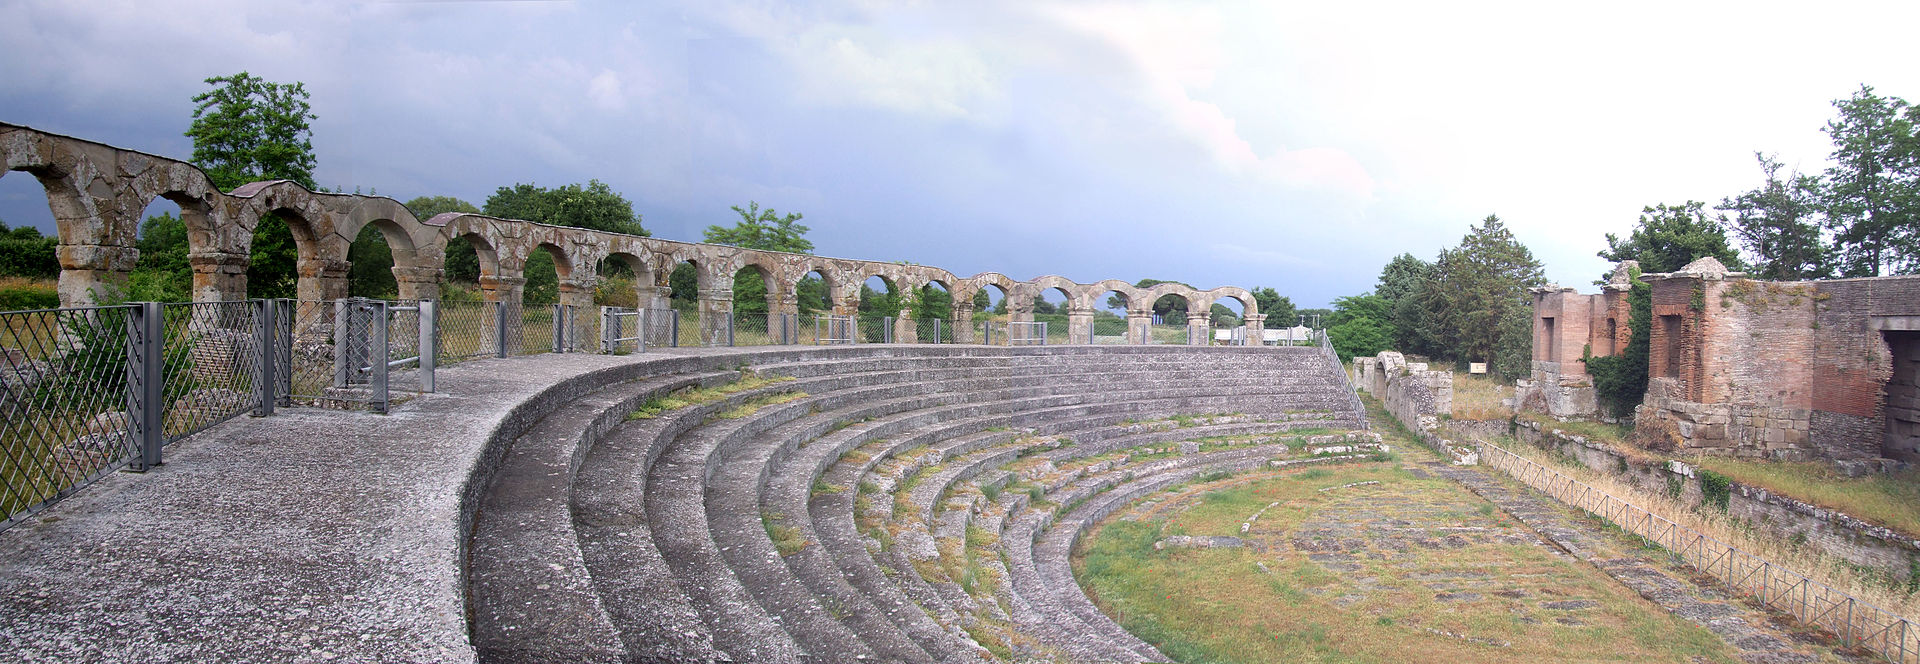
<point x="24" y="252"/>
<point x="1668" y="237"/>
<point x="1873" y="187"/>
<point x="1276" y="307"/>
<point x="982" y="301"/>
<point x="1401" y="280"/>
<point x="1358" y="326"/>
<point x="462" y="263"/>
<point x="1475" y="288"/>
<point x="163" y="273"/>
<point x="1779" y="223"/>
<point x="765" y="230"/>
<point x="595" y="206"/>
<point x="248" y="129"/>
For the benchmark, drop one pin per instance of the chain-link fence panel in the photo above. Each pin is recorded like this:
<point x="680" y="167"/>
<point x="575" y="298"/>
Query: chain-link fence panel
<point x="64" y="411"/>
<point x="662" y="328"/>
<point x="933" y="331"/>
<point x="211" y="364"/>
<point x="468" y="330"/>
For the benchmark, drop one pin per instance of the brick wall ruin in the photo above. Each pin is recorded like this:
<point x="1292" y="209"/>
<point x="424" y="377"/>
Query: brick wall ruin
<point x="1780" y="370"/>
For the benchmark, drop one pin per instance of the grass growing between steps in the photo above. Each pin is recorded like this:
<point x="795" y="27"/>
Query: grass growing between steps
<point x="786" y="538"/>
<point x="754" y="405"/>
<point x="1409" y="569"/>
<point x="695" y="396"/>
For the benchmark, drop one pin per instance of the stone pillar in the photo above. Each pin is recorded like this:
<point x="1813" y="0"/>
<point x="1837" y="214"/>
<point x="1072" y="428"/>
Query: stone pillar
<point x="218" y="276"/>
<point x="905" y="329"/>
<point x="715" y="305"/>
<point x="1139" y="327"/>
<point x="1199" y="328"/>
<point x="322" y="279"/>
<point x="1080" y="326"/>
<point x="1256" y="326"/>
<point x="507" y="294"/>
<point x="784" y="306"/>
<point x="92" y="273"/>
<point x="1019" y="312"/>
<point x="418" y="283"/>
<point x="963" y="324"/>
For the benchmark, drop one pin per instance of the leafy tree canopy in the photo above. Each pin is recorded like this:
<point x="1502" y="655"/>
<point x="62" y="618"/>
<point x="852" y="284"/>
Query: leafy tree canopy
<point x="1779" y="224"/>
<point x="1359" y="326"/>
<point x="765" y="229"/>
<point x="1668" y="237"/>
<point x="595" y="206"/>
<point x="1872" y="194"/>
<point x="1277" y="308"/>
<point x="248" y="129"/>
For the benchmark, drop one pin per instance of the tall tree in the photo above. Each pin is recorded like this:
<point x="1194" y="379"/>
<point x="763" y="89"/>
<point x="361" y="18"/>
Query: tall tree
<point x="767" y="230"/>
<point x="1475" y="288"/>
<point x="1873" y="187"/>
<point x="248" y="129"/>
<point x="1779" y="224"/>
<point x="1401" y="279"/>
<point x="763" y="229"/>
<point x="1668" y="237"/>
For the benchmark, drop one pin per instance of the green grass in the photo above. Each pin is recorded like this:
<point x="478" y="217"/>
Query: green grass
<point x="701" y="395"/>
<point x="1269" y="603"/>
<point x="786" y="538"/>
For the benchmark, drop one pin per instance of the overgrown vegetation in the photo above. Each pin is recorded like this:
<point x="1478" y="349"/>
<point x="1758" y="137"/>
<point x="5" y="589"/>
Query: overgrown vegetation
<point x="1620" y="380"/>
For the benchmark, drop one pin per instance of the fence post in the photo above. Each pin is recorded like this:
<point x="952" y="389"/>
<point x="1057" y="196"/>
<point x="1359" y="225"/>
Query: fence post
<point x="264" y="318"/>
<point x="500" y="329"/>
<point x="342" y="341"/>
<point x="145" y="330"/>
<point x="379" y="353"/>
<point x="988" y="326"/>
<point x="559" y="328"/>
<point x="1043" y="332"/>
<point x="429" y="315"/>
<point x="283" y="370"/>
<point x="886" y="329"/>
<point x="939" y="331"/>
<point x="675" y="338"/>
<point x="729" y="329"/>
<point x="609" y="329"/>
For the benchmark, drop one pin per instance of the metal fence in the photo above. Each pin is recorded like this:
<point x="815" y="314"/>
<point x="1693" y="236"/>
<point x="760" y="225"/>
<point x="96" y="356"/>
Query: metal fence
<point x="1026" y="333"/>
<point x="831" y="329"/>
<point x="932" y="331"/>
<point x="1856" y="622"/>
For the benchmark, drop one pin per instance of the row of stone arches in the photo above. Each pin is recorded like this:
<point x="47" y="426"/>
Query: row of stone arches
<point x="98" y="195"/>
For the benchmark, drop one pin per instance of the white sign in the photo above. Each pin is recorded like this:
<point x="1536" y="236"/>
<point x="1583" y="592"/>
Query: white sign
<point x="1477" y="367"/>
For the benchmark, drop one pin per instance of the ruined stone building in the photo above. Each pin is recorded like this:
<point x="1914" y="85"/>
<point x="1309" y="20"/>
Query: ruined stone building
<point x="1787" y="370"/>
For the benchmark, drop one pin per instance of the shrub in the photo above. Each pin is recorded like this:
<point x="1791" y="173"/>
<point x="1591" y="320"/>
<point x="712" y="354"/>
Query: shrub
<point x="18" y="294"/>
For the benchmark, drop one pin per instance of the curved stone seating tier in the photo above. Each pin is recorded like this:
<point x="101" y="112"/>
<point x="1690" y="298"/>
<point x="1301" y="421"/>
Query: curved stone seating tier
<point x="602" y="539"/>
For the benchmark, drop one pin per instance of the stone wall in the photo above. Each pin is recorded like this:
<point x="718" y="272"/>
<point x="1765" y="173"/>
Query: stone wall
<point x="1836" y="533"/>
<point x="1415" y="396"/>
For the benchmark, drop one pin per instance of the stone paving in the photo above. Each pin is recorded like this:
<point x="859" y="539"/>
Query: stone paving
<point x="1761" y="636"/>
<point x="1434" y="559"/>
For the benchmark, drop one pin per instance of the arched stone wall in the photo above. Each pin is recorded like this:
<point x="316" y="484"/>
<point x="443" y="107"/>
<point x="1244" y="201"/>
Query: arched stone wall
<point x="98" y="193"/>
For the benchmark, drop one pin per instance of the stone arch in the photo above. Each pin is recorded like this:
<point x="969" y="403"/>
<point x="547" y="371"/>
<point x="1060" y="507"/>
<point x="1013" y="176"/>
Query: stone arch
<point x="322" y="252"/>
<point x="635" y="256"/>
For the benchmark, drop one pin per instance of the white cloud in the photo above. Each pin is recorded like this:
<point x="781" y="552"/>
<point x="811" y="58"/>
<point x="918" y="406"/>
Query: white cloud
<point x="604" y="90"/>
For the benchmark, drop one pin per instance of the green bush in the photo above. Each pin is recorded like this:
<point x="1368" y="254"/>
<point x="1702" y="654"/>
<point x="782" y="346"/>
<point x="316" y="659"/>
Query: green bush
<point x="1716" y="489"/>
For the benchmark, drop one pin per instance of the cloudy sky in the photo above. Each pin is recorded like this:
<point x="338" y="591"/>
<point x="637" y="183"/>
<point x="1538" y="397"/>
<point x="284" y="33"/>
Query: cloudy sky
<point x="1294" y="145"/>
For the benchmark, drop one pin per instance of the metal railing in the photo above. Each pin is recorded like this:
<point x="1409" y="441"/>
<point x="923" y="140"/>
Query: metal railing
<point x="1855" y="622"/>
<point x="620" y="325"/>
<point x="1333" y="359"/>
<point x="832" y="329"/>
